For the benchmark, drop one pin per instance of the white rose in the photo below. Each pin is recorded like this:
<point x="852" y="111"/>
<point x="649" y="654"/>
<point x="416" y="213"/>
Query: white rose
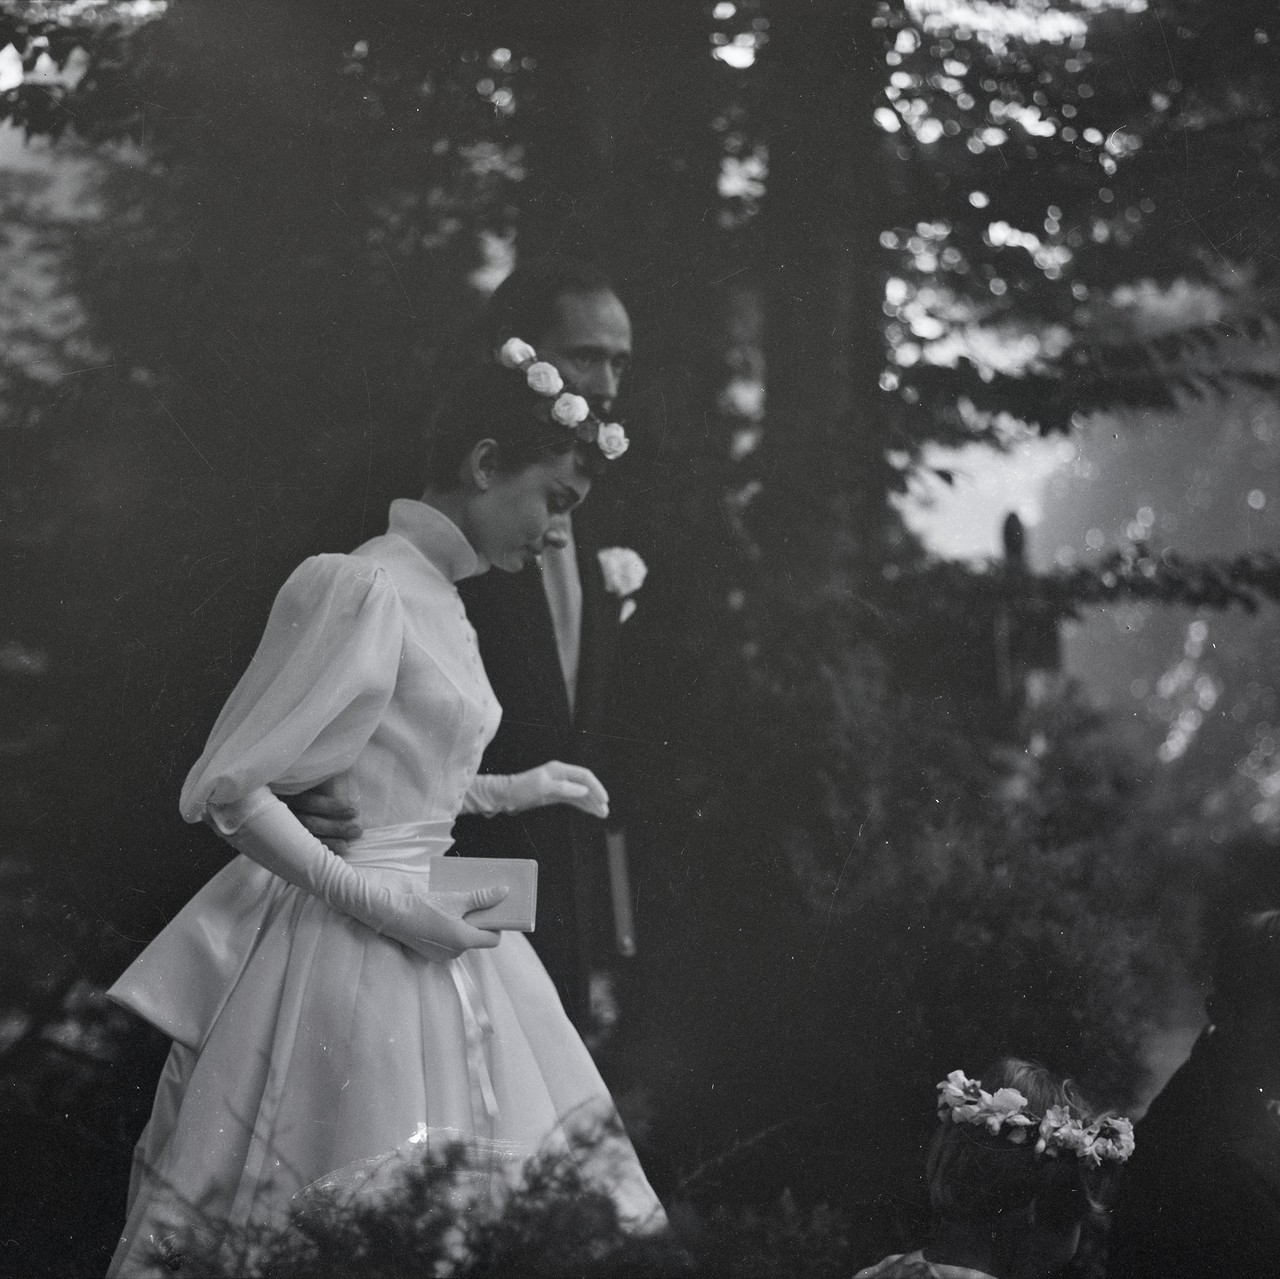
<point x="515" y="354"/>
<point x="624" y="571"/>
<point x="544" y="378"/>
<point x="613" y="441"/>
<point x="743" y="397"/>
<point x="568" y="410"/>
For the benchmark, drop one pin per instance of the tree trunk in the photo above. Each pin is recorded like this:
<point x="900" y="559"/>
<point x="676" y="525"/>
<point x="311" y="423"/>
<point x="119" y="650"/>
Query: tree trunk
<point x="819" y="244"/>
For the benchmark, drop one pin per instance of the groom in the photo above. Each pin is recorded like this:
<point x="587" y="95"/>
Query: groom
<point x="548" y="638"/>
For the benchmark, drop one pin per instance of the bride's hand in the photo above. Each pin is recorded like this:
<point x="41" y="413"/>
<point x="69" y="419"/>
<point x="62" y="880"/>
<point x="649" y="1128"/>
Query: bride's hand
<point x="434" y="924"/>
<point x="557" y="783"/>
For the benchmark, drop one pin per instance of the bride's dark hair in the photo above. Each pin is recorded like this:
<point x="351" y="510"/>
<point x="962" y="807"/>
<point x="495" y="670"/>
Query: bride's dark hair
<point x="495" y="403"/>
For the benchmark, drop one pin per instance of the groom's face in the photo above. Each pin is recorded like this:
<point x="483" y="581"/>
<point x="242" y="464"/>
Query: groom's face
<point x="590" y="343"/>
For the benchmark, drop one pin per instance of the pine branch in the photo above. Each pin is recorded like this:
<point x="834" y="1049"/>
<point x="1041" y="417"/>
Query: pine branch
<point x="1132" y="573"/>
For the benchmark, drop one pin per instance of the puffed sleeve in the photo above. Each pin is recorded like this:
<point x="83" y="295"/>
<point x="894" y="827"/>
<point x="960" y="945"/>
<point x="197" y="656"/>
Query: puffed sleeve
<point x="312" y="696"/>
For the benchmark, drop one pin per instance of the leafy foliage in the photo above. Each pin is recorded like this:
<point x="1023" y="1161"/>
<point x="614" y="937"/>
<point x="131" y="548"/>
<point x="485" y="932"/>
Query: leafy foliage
<point x="1011" y="895"/>
<point x="79" y="68"/>
<point x="1131" y="573"/>
<point x="1044" y="184"/>
<point x="557" y="1222"/>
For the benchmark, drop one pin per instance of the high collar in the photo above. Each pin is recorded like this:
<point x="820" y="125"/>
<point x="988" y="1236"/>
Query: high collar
<point x="435" y="536"/>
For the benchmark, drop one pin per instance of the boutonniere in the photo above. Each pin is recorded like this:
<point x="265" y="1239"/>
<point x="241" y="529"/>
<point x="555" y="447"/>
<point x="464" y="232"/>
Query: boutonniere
<point x="624" y="573"/>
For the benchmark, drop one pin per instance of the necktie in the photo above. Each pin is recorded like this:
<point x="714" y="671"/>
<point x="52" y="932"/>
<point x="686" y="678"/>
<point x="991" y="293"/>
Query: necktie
<point x="563" y="589"/>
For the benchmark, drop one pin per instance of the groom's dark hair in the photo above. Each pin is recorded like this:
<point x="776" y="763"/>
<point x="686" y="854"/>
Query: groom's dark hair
<point x="524" y="304"/>
<point x="481" y="400"/>
<point x="492" y="402"/>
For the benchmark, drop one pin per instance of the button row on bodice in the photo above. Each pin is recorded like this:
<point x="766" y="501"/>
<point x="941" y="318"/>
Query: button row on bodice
<point x="469" y="633"/>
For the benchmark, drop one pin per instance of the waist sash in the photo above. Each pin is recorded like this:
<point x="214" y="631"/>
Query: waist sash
<point x="411" y="847"/>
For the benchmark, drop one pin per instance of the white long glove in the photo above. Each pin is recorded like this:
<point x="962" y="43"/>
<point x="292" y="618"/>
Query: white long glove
<point x="550" y="783"/>
<point x="429" y="923"/>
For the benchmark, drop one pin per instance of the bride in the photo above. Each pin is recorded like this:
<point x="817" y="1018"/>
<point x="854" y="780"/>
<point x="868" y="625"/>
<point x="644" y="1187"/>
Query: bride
<point x="323" y="1009"/>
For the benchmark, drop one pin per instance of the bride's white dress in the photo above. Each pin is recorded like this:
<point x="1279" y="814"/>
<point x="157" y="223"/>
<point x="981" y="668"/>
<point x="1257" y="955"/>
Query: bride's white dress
<point x="305" y="1042"/>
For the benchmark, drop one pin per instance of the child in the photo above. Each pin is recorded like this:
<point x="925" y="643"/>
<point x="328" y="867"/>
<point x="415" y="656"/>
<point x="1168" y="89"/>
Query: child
<point x="1017" y="1165"/>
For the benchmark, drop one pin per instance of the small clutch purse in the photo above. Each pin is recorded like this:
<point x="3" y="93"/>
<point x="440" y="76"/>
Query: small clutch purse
<point x="516" y="912"/>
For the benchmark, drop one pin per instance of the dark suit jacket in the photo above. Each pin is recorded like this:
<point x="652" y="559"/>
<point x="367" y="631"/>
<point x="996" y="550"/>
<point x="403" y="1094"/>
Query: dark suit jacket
<point x="1200" y="1198"/>
<point x="517" y="644"/>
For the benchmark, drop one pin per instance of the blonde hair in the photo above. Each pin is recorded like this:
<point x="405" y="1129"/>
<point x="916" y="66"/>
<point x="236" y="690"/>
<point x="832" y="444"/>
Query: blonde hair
<point x="974" y="1176"/>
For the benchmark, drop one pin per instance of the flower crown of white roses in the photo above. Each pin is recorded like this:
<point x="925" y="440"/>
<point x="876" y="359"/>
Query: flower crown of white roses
<point x="965" y="1101"/>
<point x="563" y="406"/>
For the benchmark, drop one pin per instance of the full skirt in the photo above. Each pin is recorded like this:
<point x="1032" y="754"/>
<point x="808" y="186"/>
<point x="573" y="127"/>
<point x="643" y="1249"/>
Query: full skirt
<point x="332" y="1047"/>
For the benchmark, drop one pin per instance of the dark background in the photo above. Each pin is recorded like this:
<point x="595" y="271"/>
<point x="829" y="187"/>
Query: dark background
<point x="883" y="835"/>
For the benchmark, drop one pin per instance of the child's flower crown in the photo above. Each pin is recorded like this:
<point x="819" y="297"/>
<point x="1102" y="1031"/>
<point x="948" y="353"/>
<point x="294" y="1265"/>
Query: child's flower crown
<point x="563" y="406"/>
<point x="965" y="1101"/>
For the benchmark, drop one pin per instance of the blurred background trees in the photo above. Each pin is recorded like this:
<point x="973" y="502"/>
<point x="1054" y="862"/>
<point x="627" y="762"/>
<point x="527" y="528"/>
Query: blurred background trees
<point x="884" y="835"/>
